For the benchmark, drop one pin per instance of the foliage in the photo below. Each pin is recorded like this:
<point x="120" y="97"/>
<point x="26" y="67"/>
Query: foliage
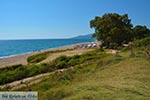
<point x="37" y="58"/>
<point x="112" y="29"/>
<point x="61" y="62"/>
<point x="142" y="42"/>
<point x="141" y="32"/>
<point x="18" y="72"/>
<point x="23" y="72"/>
<point x="8" y="68"/>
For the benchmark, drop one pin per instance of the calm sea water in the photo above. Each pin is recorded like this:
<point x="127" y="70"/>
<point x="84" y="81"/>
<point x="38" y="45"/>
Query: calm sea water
<point x="15" y="47"/>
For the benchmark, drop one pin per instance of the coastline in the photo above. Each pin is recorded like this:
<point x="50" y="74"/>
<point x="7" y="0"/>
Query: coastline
<point x="22" y="58"/>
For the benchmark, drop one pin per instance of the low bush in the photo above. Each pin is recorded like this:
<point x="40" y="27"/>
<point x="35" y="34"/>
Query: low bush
<point x="61" y="64"/>
<point x="64" y="61"/>
<point x="61" y="58"/>
<point x="8" y="68"/>
<point x="37" y="58"/>
<point x="142" y="42"/>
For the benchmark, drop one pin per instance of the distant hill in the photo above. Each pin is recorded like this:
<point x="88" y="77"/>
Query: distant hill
<point x="88" y="36"/>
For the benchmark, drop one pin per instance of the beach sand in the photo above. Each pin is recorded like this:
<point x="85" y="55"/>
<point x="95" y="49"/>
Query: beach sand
<point x="19" y="59"/>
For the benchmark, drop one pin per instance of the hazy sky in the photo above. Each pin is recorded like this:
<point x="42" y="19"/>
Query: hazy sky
<point x="23" y="19"/>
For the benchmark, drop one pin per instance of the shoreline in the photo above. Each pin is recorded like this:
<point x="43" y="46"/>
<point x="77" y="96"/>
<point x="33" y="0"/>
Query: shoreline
<point x="22" y="58"/>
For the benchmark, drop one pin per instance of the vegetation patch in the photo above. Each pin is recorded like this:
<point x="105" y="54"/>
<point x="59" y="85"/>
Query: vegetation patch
<point x="8" y="68"/>
<point x="41" y="56"/>
<point x="23" y="71"/>
<point x="142" y="42"/>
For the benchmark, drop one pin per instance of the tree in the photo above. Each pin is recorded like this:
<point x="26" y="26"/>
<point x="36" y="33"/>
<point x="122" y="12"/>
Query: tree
<point x="112" y="29"/>
<point x="141" y="32"/>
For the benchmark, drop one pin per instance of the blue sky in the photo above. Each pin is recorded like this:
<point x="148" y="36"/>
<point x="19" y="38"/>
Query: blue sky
<point x="27" y="19"/>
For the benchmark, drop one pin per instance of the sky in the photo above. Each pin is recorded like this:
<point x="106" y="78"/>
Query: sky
<point x="47" y="19"/>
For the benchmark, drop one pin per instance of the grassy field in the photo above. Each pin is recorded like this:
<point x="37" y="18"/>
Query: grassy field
<point x="111" y="77"/>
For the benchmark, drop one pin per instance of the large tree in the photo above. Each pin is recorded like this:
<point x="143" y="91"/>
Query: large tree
<point x="112" y="29"/>
<point x="141" y="32"/>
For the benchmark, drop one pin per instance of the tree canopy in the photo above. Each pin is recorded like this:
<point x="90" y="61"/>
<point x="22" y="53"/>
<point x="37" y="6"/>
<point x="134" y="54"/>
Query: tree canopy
<point x="112" y="29"/>
<point x="141" y="32"/>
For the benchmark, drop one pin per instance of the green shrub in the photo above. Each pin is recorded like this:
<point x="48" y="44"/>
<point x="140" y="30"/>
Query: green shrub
<point x="9" y="68"/>
<point x="2" y="79"/>
<point x="34" y="70"/>
<point x="61" y="58"/>
<point x="37" y="58"/>
<point x="72" y="62"/>
<point x="46" y="67"/>
<point x="61" y="64"/>
<point x="21" y="73"/>
<point x="76" y="57"/>
<point x="142" y="42"/>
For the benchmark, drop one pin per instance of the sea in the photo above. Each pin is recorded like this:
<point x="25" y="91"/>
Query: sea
<point x="16" y="47"/>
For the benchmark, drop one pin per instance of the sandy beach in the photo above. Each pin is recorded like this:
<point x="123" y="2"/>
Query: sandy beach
<point x="22" y="59"/>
